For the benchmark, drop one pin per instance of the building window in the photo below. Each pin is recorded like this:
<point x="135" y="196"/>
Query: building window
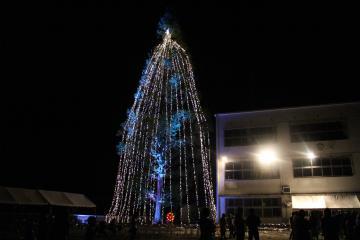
<point x="318" y="132"/>
<point x="323" y="167"/>
<point x="263" y="207"/>
<point x="250" y="170"/>
<point x="249" y="136"/>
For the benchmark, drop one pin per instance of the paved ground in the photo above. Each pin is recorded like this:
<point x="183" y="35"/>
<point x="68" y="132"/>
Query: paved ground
<point x="264" y="235"/>
<point x="267" y="235"/>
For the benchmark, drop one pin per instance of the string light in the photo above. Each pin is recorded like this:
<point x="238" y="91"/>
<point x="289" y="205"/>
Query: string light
<point x="164" y="150"/>
<point x="170" y="217"/>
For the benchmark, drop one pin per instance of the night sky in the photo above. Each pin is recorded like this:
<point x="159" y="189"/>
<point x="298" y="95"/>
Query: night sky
<point x="70" y="72"/>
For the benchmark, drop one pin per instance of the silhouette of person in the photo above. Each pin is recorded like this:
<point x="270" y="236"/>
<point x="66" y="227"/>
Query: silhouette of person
<point x="356" y="234"/>
<point x="292" y="225"/>
<point x="301" y="231"/>
<point x="90" y="232"/>
<point x="329" y="226"/>
<point x="207" y="225"/>
<point x="29" y="230"/>
<point x="222" y="227"/>
<point x="101" y="231"/>
<point x="112" y="227"/>
<point x="340" y="223"/>
<point x="44" y="227"/>
<point x="231" y="224"/>
<point x="253" y="223"/>
<point x="315" y="225"/>
<point x="239" y="225"/>
<point x="119" y="227"/>
<point x="132" y="228"/>
<point x="61" y="224"/>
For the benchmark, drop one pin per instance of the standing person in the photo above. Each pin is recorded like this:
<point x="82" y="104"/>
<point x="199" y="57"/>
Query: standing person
<point x="132" y="228"/>
<point x="231" y="225"/>
<point x="61" y="224"/>
<point x="207" y="225"/>
<point x="119" y="227"/>
<point x="302" y="228"/>
<point x="315" y="225"/>
<point x="292" y="225"/>
<point x="253" y="223"/>
<point x="29" y="230"/>
<point x="329" y="226"/>
<point x="101" y="231"/>
<point x="44" y="227"/>
<point x="90" y="231"/>
<point x="239" y="225"/>
<point x="356" y="234"/>
<point x="112" y="227"/>
<point x="223" y="227"/>
<point x="340" y="223"/>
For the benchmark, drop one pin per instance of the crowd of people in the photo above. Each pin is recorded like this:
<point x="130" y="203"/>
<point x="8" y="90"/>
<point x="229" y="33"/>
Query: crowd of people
<point x="318" y="225"/>
<point x="62" y="226"/>
<point x="330" y="227"/>
<point x="237" y="226"/>
<point x="44" y="226"/>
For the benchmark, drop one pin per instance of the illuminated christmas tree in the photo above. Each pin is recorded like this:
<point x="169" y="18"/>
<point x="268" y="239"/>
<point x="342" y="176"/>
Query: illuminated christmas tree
<point x="164" y="151"/>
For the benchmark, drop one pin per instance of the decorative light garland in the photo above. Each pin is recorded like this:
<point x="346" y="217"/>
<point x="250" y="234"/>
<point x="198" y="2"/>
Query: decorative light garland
<point x="164" y="150"/>
<point x="170" y="217"/>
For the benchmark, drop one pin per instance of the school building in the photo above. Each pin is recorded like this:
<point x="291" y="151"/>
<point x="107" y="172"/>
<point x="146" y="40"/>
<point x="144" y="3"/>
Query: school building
<point x="279" y="160"/>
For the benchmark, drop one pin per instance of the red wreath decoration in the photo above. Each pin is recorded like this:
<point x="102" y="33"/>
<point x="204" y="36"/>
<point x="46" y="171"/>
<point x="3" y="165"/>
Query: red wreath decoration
<point x="170" y="217"/>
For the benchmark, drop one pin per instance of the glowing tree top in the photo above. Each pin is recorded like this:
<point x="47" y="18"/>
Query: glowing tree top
<point x="164" y="151"/>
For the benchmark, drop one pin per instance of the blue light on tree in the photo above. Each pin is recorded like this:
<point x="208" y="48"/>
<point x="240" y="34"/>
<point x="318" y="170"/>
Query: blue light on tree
<point x="164" y="163"/>
<point x="167" y="63"/>
<point x="175" y="80"/>
<point x="120" y="147"/>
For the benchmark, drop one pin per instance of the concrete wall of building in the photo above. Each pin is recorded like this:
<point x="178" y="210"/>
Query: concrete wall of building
<point x="286" y="210"/>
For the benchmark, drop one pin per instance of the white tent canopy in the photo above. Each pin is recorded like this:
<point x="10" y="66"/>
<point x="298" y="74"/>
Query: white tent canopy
<point x="56" y="198"/>
<point x="27" y="196"/>
<point x="80" y="200"/>
<point x="5" y="196"/>
<point x="22" y="196"/>
<point x="325" y="201"/>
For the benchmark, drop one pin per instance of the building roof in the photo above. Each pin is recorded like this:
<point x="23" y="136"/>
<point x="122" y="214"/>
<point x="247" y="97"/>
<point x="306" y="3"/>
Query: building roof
<point x="22" y="196"/>
<point x="288" y="108"/>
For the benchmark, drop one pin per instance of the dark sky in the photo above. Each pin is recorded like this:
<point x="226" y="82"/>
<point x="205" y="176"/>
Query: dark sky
<point x="70" y="72"/>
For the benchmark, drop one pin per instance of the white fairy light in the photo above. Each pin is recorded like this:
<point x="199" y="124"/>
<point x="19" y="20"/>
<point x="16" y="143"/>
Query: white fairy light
<point x="163" y="137"/>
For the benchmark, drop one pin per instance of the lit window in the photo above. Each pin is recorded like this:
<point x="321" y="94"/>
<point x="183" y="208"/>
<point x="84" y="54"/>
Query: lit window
<point x="323" y="167"/>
